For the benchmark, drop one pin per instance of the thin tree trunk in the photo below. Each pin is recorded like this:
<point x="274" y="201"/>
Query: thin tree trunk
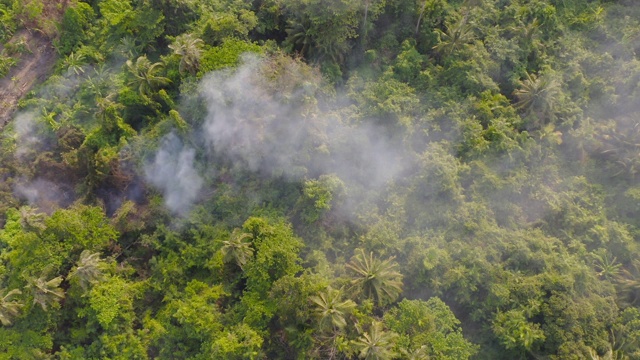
<point x="366" y="12"/>
<point x="424" y="7"/>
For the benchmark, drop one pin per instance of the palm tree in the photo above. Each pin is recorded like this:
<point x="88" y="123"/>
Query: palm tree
<point x="376" y="344"/>
<point x="420" y="353"/>
<point x="606" y="267"/>
<point x="299" y="35"/>
<point x="628" y="281"/>
<point x="236" y="249"/>
<point x="130" y="46"/>
<point x="31" y="219"/>
<point x="50" y="118"/>
<point x="88" y="269"/>
<point x="99" y="82"/>
<point x="593" y="355"/>
<point x="330" y="310"/>
<point x="74" y="63"/>
<point x="529" y="32"/>
<point x="538" y="95"/>
<point x="189" y="49"/>
<point x="9" y="308"/>
<point x="145" y="75"/>
<point x="331" y="49"/>
<point x="46" y="292"/>
<point x="374" y="278"/>
<point x="621" y="145"/>
<point x="456" y="36"/>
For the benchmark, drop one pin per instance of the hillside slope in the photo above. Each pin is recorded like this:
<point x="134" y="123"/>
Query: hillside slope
<point x="33" y="65"/>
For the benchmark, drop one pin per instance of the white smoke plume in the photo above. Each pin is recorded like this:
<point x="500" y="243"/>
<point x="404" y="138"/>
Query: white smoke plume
<point x="250" y="124"/>
<point x="273" y="134"/>
<point x="43" y="194"/>
<point x="26" y="133"/>
<point x="173" y="172"/>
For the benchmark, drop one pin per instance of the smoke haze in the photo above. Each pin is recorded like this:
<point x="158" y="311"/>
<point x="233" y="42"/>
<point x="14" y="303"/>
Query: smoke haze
<point x="172" y="171"/>
<point x="272" y="135"/>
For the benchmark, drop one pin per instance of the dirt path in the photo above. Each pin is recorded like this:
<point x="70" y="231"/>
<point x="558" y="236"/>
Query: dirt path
<point x="32" y="68"/>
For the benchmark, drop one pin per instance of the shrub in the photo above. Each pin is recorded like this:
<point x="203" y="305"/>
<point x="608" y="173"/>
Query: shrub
<point x="75" y="22"/>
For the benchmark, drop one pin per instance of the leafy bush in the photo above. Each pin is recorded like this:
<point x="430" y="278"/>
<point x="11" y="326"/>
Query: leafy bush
<point x="75" y="24"/>
<point x="7" y="23"/>
<point x="6" y="63"/>
<point x="226" y="55"/>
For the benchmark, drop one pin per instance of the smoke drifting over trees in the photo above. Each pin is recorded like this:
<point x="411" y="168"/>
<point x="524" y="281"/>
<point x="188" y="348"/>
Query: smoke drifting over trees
<point x="172" y="171"/>
<point x="273" y="127"/>
<point x="323" y="179"/>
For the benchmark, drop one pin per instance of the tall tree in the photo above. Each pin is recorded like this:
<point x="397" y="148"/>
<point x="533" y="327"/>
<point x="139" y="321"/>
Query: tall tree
<point x="74" y="62"/>
<point x="9" y="307"/>
<point x="454" y="38"/>
<point x="374" y="278"/>
<point x="376" y="343"/>
<point x="322" y="28"/>
<point x="538" y="95"/>
<point x="237" y="249"/>
<point x="189" y="48"/>
<point x="46" y="292"/>
<point x="87" y="270"/>
<point x="331" y="310"/>
<point x="146" y="75"/>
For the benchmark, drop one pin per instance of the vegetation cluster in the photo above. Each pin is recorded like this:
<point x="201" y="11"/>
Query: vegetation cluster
<point x="323" y="179"/>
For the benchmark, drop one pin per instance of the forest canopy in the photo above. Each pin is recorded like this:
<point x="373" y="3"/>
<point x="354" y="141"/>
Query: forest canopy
<point x="319" y="179"/>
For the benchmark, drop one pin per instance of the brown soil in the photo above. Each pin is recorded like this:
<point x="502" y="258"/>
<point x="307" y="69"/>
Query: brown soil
<point x="32" y="68"/>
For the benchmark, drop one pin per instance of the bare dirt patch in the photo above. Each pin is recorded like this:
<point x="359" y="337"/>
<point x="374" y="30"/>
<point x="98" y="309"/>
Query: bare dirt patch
<point x="32" y="67"/>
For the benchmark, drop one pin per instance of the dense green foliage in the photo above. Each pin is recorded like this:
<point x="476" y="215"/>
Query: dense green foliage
<point x="335" y="179"/>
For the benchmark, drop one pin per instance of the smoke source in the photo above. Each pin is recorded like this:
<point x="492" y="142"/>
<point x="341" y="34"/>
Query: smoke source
<point x="172" y="171"/>
<point x="272" y="133"/>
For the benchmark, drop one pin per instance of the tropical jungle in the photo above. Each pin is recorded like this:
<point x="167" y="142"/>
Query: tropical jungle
<point x="320" y="179"/>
